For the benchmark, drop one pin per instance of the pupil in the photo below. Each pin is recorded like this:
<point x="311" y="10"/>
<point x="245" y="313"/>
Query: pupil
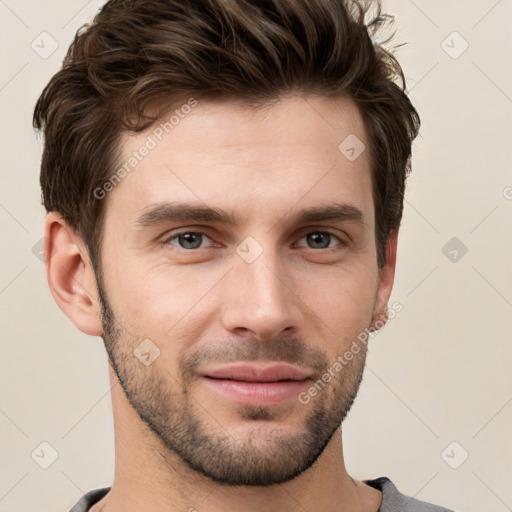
<point x="189" y="240"/>
<point x="316" y="236"/>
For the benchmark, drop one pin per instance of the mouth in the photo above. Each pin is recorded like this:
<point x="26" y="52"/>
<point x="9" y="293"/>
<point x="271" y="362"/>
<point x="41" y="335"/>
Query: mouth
<point x="257" y="385"/>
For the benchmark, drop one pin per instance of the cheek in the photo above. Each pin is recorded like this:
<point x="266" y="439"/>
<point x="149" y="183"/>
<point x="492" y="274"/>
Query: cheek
<point x="341" y="304"/>
<point x="164" y="302"/>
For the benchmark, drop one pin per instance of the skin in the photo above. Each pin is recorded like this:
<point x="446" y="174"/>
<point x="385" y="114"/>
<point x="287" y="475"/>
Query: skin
<point x="303" y="300"/>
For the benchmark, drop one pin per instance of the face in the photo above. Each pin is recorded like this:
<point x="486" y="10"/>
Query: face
<point x="238" y="264"/>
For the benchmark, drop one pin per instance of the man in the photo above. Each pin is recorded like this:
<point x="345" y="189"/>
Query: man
<point x="225" y="181"/>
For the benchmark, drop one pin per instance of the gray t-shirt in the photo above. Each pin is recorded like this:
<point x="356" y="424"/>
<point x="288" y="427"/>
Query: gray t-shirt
<point x="392" y="499"/>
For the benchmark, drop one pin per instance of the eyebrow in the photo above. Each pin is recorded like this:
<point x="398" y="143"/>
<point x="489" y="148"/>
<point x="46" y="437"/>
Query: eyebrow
<point x="159" y="213"/>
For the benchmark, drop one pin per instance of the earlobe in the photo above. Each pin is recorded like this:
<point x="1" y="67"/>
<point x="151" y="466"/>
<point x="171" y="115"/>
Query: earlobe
<point x="385" y="285"/>
<point x="70" y="275"/>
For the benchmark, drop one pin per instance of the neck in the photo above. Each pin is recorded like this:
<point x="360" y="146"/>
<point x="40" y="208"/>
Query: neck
<point x="149" y="477"/>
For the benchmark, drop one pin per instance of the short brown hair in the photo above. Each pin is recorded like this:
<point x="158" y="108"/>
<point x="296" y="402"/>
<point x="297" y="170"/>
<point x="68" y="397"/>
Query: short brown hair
<point x="140" y="53"/>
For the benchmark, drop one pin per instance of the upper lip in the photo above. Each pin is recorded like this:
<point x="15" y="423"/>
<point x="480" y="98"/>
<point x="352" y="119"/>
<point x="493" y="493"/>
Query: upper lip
<point x="252" y="373"/>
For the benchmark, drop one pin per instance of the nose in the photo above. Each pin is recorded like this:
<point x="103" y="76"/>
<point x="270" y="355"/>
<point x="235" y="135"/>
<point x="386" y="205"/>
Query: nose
<point x="260" y="298"/>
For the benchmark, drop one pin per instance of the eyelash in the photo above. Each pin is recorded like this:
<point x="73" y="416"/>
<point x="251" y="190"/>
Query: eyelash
<point x="168" y="239"/>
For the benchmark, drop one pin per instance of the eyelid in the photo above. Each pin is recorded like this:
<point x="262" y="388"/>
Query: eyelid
<point x="321" y="229"/>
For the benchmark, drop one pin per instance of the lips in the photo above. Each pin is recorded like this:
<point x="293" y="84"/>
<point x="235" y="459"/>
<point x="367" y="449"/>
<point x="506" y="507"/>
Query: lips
<point x="250" y="373"/>
<point x="257" y="385"/>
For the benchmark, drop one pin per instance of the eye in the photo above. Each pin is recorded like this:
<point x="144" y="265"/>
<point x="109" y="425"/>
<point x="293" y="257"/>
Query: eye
<point x="188" y="239"/>
<point x="321" y="239"/>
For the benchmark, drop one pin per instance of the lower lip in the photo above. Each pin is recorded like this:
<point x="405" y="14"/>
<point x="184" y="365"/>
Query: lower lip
<point x="257" y="393"/>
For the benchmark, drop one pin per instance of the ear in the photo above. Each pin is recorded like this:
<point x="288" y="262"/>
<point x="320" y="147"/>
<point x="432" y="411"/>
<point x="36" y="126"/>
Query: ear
<point x="70" y="275"/>
<point x="386" y="279"/>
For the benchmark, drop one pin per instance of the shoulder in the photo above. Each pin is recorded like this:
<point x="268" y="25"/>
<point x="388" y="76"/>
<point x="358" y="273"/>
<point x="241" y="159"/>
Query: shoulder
<point x="89" y="499"/>
<point x="393" y="500"/>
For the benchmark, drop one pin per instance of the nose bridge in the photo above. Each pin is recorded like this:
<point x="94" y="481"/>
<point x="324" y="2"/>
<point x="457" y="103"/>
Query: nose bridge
<point x="259" y="298"/>
<point x="263" y="279"/>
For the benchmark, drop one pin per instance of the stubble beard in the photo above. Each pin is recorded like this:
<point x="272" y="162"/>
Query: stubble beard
<point x="265" y="455"/>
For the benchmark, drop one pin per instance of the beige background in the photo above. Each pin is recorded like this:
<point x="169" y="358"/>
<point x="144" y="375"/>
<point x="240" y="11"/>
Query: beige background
<point x="438" y="373"/>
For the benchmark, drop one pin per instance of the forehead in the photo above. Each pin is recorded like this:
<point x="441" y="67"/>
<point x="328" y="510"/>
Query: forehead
<point x="308" y="150"/>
